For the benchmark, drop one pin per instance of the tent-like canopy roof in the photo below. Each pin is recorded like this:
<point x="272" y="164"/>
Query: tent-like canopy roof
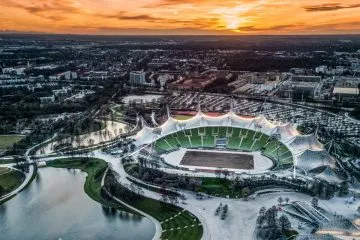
<point x="307" y="151"/>
<point x="287" y="131"/>
<point x="230" y="119"/>
<point x="310" y="159"/>
<point x="328" y="174"/>
<point x="301" y="143"/>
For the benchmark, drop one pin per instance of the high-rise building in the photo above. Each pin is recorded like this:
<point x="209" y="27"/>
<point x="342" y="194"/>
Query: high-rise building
<point x="67" y="75"/>
<point x="74" y="75"/>
<point x="137" y="77"/>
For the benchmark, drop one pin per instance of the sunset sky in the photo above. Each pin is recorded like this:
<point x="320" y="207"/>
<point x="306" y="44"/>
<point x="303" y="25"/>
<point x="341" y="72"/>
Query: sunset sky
<point x="181" y="16"/>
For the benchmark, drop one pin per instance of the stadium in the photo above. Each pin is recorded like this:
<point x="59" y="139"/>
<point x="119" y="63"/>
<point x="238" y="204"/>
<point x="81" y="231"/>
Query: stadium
<point x="236" y="143"/>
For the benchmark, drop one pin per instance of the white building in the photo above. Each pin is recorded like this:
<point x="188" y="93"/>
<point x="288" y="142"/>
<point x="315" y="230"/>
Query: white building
<point x="137" y="77"/>
<point x="321" y="69"/>
<point x="14" y="70"/>
<point x="163" y="79"/>
<point x="346" y="88"/>
<point x="62" y="91"/>
<point x="339" y="69"/>
<point x="50" y="99"/>
<point x="55" y="77"/>
<point x="67" y="75"/>
<point x="74" y="75"/>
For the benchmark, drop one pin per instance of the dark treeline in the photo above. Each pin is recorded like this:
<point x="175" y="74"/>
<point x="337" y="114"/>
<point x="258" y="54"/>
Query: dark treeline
<point x="148" y="172"/>
<point x="266" y="43"/>
<point x="252" y="62"/>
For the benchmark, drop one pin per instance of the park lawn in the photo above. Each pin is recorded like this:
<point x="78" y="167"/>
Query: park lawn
<point x="6" y="161"/>
<point x="218" y="187"/>
<point x="212" y="186"/>
<point x="9" y="180"/>
<point x="9" y="140"/>
<point x="95" y="169"/>
<point x="162" y="212"/>
<point x="4" y="170"/>
<point x="182" y="117"/>
<point x="173" y="228"/>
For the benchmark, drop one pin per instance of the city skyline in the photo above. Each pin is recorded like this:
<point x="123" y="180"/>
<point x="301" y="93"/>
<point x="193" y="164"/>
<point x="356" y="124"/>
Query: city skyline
<point x="185" y="17"/>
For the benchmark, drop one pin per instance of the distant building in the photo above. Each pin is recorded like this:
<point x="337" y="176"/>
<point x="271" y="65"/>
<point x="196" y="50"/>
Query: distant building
<point x="163" y="79"/>
<point x="257" y="78"/>
<point x="321" y="69"/>
<point x="68" y="75"/>
<point x="55" y="77"/>
<point x="74" y="75"/>
<point x="158" y="62"/>
<point x="137" y="77"/>
<point x="302" y="78"/>
<point x="355" y="65"/>
<point x="347" y="88"/>
<point x="309" y="86"/>
<point x="60" y="92"/>
<point x="43" y="67"/>
<point x="50" y="99"/>
<point x="14" y="70"/>
<point x="194" y="83"/>
<point x="339" y="70"/>
<point x="298" y="70"/>
<point x="12" y="81"/>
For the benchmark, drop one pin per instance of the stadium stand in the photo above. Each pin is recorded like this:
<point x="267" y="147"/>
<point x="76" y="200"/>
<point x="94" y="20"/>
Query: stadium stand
<point x="237" y="139"/>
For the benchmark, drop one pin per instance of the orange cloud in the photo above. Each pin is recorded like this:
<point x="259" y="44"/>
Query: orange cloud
<point x="330" y="7"/>
<point x="180" y="16"/>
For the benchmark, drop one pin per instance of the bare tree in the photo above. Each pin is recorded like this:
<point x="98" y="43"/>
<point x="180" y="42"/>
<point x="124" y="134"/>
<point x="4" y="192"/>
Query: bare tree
<point x="315" y="202"/>
<point x="226" y="173"/>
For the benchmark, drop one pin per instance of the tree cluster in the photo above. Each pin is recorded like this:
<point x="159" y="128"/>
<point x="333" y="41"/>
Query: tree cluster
<point x="270" y="226"/>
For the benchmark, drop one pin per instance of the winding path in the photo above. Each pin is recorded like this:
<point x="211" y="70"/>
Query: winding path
<point x="28" y="175"/>
<point x="241" y="220"/>
<point x="158" y="229"/>
<point x="123" y="179"/>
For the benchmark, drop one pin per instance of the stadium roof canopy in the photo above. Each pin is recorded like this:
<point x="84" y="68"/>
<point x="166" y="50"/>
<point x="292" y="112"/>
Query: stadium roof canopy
<point x="307" y="151"/>
<point x="327" y="173"/>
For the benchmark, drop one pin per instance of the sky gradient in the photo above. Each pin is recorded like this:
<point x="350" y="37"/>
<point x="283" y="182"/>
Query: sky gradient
<point x="195" y="17"/>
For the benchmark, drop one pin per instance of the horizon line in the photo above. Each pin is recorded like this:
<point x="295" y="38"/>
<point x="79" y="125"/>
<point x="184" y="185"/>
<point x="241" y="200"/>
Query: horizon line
<point x="178" y="35"/>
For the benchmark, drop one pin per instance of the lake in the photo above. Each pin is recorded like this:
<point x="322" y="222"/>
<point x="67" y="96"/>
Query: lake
<point x="55" y="206"/>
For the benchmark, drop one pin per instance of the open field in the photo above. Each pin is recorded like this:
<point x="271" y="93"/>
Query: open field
<point x="260" y="163"/>
<point x="218" y="159"/>
<point x="8" y="140"/>
<point x="9" y="179"/>
<point x="238" y="139"/>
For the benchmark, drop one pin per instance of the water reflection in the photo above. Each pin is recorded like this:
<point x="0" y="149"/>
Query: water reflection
<point x="55" y="206"/>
